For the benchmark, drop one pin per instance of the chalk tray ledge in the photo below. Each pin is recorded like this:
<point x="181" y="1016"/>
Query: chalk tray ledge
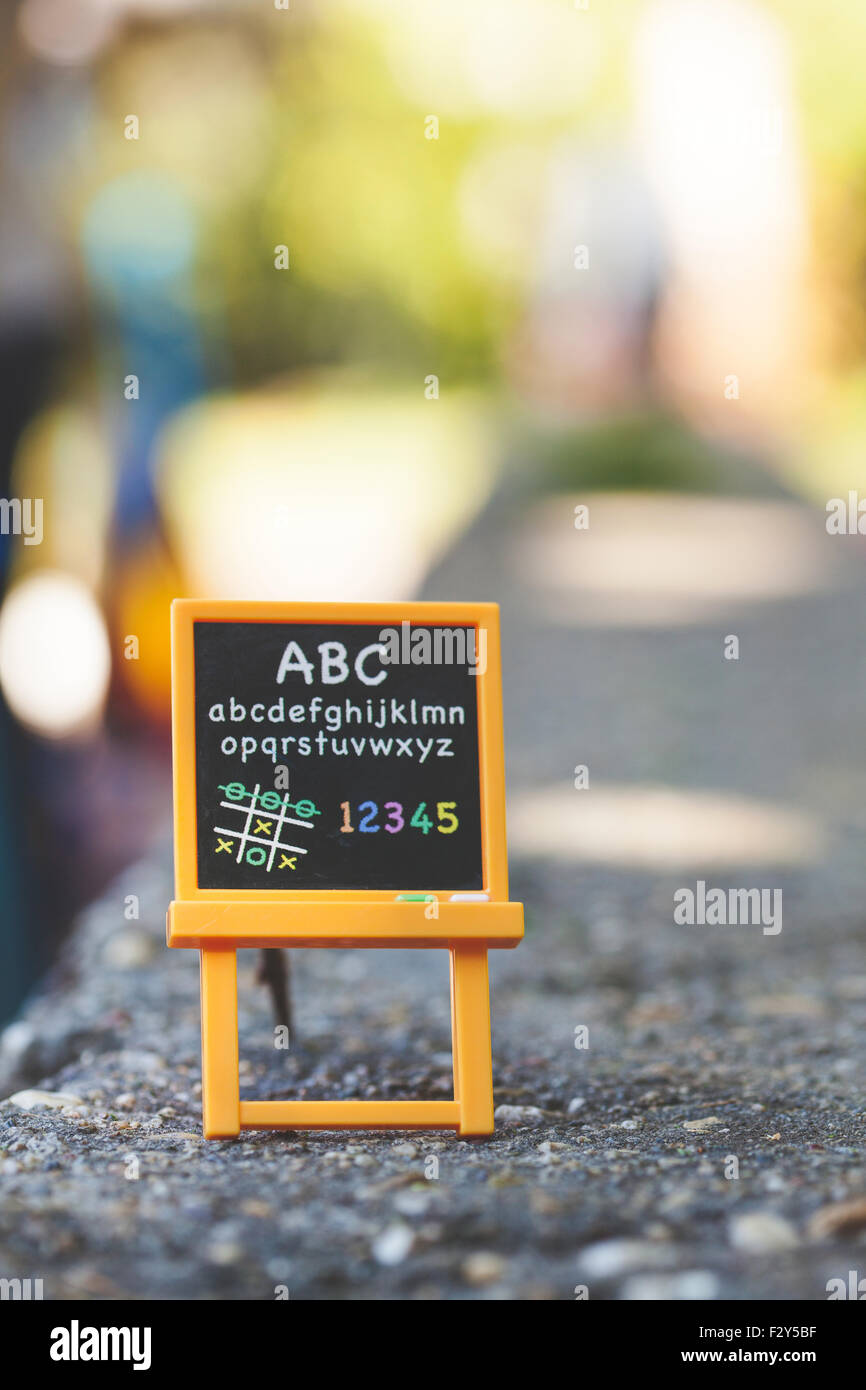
<point x="211" y="923"/>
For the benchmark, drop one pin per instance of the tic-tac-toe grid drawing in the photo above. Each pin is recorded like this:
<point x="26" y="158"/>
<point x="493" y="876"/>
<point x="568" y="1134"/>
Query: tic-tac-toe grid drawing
<point x="257" y="840"/>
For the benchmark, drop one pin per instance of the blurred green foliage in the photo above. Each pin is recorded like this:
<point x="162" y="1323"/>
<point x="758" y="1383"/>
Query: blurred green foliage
<point x="645" y="452"/>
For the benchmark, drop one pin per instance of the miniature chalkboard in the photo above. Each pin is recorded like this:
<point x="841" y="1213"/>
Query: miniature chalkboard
<point x="339" y="781"/>
<point x="325" y="760"/>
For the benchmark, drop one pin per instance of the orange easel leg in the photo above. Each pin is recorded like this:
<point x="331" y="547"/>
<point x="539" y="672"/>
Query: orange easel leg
<point x="470" y="1033"/>
<point x="221" y="1104"/>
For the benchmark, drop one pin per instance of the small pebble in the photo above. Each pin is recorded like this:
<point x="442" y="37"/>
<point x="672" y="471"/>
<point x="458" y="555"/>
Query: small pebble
<point x="129" y="950"/>
<point x="224" y="1252"/>
<point x="483" y="1268"/>
<point x="393" y="1245"/>
<point x="610" y="1258"/>
<point x="838" y="1217"/>
<point x="518" y="1115"/>
<point x="762" y="1232"/>
<point x="16" y="1038"/>
<point x="50" y="1100"/>
<point x="692" y="1285"/>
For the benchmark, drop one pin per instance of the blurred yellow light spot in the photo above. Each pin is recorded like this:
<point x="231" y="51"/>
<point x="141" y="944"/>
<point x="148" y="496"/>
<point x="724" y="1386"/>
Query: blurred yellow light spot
<point x="322" y="495"/>
<point x="144" y="586"/>
<point x="500" y="204"/>
<point x="55" y="663"/>
<point x="204" y="88"/>
<point x="63" y="457"/>
<point x="504" y="57"/>
<point x="661" y="828"/>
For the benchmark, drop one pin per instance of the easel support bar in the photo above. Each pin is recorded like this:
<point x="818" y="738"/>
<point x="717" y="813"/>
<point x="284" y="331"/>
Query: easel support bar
<point x="202" y="923"/>
<point x="360" y="1114"/>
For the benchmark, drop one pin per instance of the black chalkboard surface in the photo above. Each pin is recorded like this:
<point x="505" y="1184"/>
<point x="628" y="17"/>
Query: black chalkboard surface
<point x="381" y="761"/>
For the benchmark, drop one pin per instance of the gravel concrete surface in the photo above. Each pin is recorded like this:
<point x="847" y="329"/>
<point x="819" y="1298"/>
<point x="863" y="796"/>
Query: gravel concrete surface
<point x="706" y="1144"/>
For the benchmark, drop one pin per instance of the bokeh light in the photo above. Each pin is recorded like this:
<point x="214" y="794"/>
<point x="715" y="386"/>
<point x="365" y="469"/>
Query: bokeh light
<point x="67" y="31"/>
<point x="54" y="655"/>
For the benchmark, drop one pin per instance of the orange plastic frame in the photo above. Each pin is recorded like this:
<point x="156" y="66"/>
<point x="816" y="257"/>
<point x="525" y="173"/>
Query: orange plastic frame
<point x="217" y="922"/>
